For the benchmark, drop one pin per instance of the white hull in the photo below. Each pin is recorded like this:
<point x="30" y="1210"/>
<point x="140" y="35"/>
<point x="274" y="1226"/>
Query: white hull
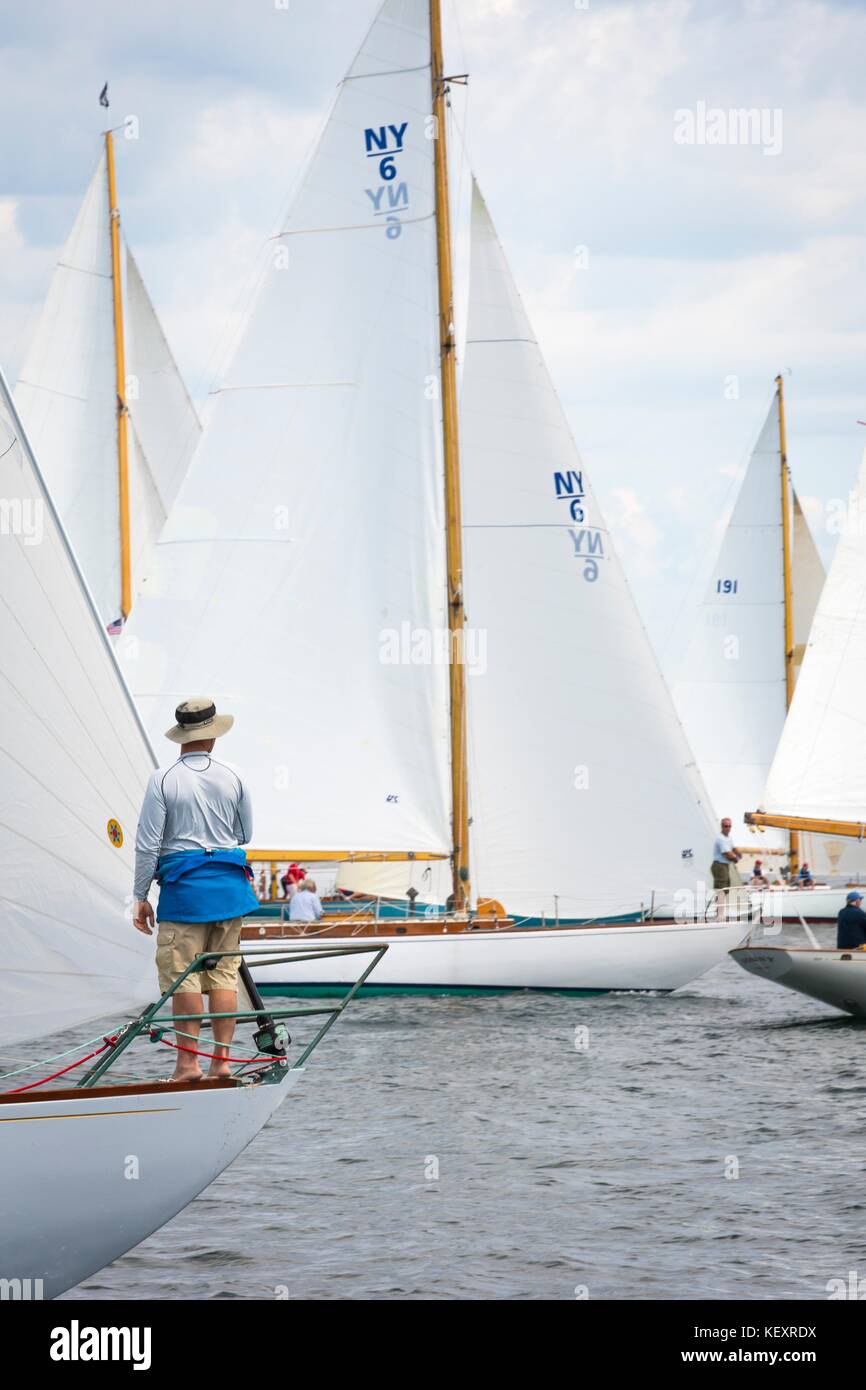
<point x="835" y="977"/>
<point x="88" y="1177"/>
<point x="648" y="956"/>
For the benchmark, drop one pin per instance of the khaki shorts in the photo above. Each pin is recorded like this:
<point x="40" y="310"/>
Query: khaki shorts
<point x="725" y="875"/>
<point x="178" y="944"/>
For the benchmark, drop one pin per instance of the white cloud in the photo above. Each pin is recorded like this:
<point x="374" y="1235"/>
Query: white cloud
<point x="640" y="536"/>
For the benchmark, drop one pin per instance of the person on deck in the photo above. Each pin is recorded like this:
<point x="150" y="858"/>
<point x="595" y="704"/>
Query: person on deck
<point x="725" y="857"/>
<point x="805" y="877"/>
<point x="758" y="880"/>
<point x="290" y="880"/>
<point x="851" y="923"/>
<point x="306" y="905"/>
<point x="195" y="816"/>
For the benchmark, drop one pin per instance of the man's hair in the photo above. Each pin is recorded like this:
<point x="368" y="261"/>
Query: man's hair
<point x="308" y="884"/>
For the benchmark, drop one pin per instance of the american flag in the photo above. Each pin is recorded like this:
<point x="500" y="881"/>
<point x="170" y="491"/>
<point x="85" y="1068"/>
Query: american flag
<point x="114" y="629"/>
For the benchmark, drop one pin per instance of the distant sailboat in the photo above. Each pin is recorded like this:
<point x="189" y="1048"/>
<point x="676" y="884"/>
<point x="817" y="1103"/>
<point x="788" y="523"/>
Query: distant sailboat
<point x="104" y="404"/>
<point x="734" y="691"/>
<point x="326" y="549"/>
<point x="742" y="664"/>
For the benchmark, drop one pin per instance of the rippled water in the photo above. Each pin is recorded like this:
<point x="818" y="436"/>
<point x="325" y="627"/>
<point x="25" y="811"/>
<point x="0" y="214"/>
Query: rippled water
<point x="557" y="1167"/>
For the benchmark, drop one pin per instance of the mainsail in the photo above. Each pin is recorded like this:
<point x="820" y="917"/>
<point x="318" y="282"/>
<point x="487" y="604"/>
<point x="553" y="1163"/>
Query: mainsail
<point x="583" y="796"/>
<point x="300" y="578"/>
<point x="732" y="693"/>
<point x="73" y="764"/>
<point x="67" y="395"/>
<point x="818" y="770"/>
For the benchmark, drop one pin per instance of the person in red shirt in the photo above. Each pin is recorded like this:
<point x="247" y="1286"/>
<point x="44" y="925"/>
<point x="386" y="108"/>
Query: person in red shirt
<point x="290" y="879"/>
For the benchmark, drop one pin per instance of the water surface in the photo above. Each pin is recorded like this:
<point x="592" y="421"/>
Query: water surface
<point x="483" y="1148"/>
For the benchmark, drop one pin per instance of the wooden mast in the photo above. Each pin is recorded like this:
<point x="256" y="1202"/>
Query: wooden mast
<point x="120" y="386"/>
<point x="447" y="348"/>
<point x="786" y="571"/>
<point x="459" y="796"/>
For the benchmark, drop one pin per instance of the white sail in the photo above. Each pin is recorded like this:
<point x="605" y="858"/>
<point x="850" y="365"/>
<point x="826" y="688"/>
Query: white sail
<point x="145" y="506"/>
<point x="582" y="797"/>
<point x="731" y="694"/>
<point x="73" y="764"/>
<point x="300" y="578"/>
<point x="67" y="397"/>
<point x="164" y="420"/>
<point x="431" y="881"/>
<point x="807" y="580"/>
<point x="819" y="770"/>
<point x="828" y="856"/>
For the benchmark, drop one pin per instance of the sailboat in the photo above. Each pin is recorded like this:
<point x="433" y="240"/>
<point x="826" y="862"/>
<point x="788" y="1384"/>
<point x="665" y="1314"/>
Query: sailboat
<point x="432" y="651"/>
<point x="74" y="759"/>
<point x="103" y="402"/>
<point x="742" y="665"/>
<point x="815" y="784"/>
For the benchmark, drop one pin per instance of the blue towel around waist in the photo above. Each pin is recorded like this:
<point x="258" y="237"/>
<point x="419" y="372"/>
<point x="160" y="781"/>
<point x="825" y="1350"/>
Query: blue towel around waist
<point x="204" y="885"/>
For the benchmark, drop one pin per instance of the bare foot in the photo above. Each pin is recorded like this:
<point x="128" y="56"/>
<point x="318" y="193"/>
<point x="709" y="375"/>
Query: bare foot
<point x="217" y="1069"/>
<point x="188" y="1075"/>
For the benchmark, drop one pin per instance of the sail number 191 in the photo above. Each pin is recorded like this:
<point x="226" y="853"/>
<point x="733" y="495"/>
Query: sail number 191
<point x="726" y="586"/>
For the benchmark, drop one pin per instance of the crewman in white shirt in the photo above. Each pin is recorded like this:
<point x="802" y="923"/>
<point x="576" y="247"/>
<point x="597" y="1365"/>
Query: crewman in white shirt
<point x="725" y="858"/>
<point x="306" y="905"/>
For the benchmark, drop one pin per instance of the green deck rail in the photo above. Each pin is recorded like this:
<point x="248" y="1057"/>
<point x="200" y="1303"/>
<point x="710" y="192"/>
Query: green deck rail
<point x="278" y="955"/>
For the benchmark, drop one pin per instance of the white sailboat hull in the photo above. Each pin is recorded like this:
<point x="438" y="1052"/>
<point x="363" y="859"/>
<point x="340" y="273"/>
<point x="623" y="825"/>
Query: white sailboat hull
<point x="88" y="1177"/>
<point x="651" y="956"/>
<point x="835" y="977"/>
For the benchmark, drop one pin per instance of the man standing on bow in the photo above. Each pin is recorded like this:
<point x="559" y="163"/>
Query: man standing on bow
<point x="195" y="816"/>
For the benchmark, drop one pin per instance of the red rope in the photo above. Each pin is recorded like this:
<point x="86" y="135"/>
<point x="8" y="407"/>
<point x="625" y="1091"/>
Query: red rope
<point x="31" y="1086"/>
<point x="109" y="1042"/>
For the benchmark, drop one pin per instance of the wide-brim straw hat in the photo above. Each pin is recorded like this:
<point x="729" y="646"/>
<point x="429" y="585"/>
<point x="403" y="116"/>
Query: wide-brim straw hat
<point x="198" y="719"/>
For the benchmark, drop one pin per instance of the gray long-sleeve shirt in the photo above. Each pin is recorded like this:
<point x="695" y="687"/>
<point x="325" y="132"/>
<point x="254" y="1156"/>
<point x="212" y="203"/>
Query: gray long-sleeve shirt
<point x="197" y="802"/>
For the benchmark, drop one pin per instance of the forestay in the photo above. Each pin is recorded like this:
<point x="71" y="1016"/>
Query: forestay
<point x="582" y="794"/>
<point x="300" y="579"/>
<point x="73" y="765"/>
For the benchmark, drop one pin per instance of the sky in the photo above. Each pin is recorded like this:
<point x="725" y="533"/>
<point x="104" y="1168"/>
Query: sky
<point x="669" y="277"/>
